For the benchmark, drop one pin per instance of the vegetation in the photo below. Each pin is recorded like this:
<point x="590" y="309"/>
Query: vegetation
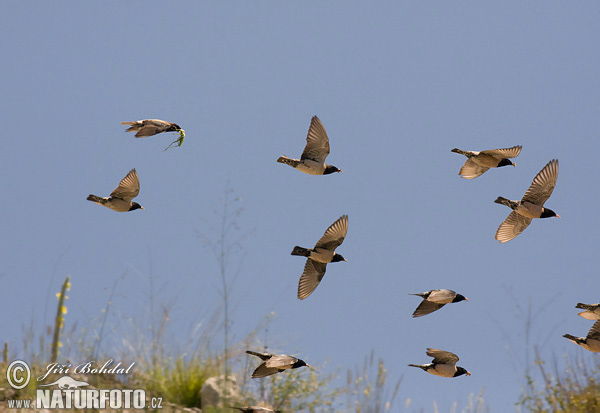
<point x="177" y="375"/>
<point x="367" y="395"/>
<point x="575" y="388"/>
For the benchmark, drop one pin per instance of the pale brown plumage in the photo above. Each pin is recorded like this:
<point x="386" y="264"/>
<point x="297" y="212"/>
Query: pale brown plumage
<point x="531" y="205"/>
<point x="479" y="162"/>
<point x="433" y="300"/>
<point x="315" y="152"/>
<point x="150" y="127"/>
<point x="275" y="363"/>
<point x="591" y="342"/>
<point x="592" y="311"/>
<point x="120" y="199"/>
<point x="319" y="256"/>
<point x="443" y="364"/>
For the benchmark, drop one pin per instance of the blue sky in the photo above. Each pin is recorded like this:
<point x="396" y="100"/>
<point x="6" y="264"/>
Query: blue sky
<point x="396" y="85"/>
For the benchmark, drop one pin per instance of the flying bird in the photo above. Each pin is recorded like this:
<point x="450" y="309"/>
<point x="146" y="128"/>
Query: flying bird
<point x="591" y="342"/>
<point x="150" y="127"/>
<point x="120" y="198"/>
<point x="443" y="364"/>
<point x="275" y="363"/>
<point x="435" y="299"/>
<point x="320" y="255"/>
<point x="592" y="311"/>
<point x="479" y="162"/>
<point x="532" y="204"/>
<point x="312" y="161"/>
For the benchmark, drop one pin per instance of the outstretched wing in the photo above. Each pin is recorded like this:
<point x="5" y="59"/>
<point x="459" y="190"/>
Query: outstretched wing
<point x="335" y="234"/>
<point x="317" y="142"/>
<point x="543" y="184"/>
<point x="504" y="153"/>
<point x="311" y="277"/>
<point x="264" y="371"/>
<point x="441" y="356"/>
<point x="152" y="127"/>
<point x="512" y="226"/>
<point x="471" y="170"/>
<point x="594" y="332"/>
<point x="426" y="307"/>
<point x="128" y="188"/>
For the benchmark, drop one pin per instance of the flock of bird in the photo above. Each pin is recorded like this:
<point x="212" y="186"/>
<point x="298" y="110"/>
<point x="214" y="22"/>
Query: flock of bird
<point x="312" y="162"/>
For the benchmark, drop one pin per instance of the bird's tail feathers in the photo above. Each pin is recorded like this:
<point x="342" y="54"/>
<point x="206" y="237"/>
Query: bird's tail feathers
<point x="574" y="339"/>
<point x="456" y="150"/>
<point x="303" y="252"/>
<point x="134" y="126"/>
<point x="288" y="161"/>
<point x="584" y="306"/>
<point x="96" y="199"/>
<point x="254" y="353"/>
<point x="507" y="202"/>
<point x="419" y="366"/>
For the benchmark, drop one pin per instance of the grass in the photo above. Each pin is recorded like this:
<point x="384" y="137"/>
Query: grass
<point x="178" y="376"/>
<point x="165" y="369"/>
<point x="368" y="394"/>
<point x="573" y="388"/>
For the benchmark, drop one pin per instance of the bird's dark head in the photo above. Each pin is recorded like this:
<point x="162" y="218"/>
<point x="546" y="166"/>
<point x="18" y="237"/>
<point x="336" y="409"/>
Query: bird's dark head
<point x="174" y="128"/>
<point x="505" y="162"/>
<point x="299" y="363"/>
<point x="460" y="371"/>
<point x="329" y="169"/>
<point x="548" y="213"/>
<point x="459" y="297"/>
<point x="135" y="205"/>
<point x="337" y="258"/>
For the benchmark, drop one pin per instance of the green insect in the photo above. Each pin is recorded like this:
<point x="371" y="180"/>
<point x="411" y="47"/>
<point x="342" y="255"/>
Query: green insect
<point x="177" y="141"/>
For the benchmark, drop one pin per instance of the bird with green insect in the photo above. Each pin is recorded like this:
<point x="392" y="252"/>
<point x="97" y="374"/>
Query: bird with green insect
<point x="150" y="127"/>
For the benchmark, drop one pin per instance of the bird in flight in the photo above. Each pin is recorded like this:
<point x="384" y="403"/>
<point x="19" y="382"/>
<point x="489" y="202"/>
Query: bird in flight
<point x="531" y="205"/>
<point x="275" y="363"/>
<point x="443" y="364"/>
<point x="479" y="162"/>
<point x="312" y="161"/>
<point x="592" y="311"/>
<point x="150" y="127"/>
<point x="435" y="299"/>
<point x="319" y="256"/>
<point x="120" y="199"/>
<point x="591" y="342"/>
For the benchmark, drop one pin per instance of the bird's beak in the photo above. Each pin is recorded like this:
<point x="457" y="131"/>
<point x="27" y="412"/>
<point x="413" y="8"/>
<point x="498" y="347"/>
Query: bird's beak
<point x="466" y="299"/>
<point x="141" y="207"/>
<point x="339" y="170"/>
<point x="468" y="373"/>
<point x="347" y="260"/>
<point x="514" y="164"/>
<point x="557" y="216"/>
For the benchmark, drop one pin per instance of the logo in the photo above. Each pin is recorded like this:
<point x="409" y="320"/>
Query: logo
<point x="74" y="394"/>
<point x="18" y="374"/>
<point x="67" y="382"/>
